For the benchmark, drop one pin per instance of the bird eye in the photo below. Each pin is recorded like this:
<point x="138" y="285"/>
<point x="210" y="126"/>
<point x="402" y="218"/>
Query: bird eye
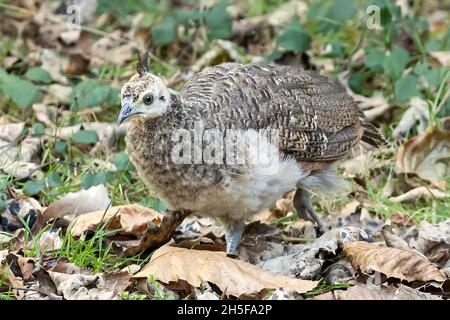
<point x="148" y="99"/>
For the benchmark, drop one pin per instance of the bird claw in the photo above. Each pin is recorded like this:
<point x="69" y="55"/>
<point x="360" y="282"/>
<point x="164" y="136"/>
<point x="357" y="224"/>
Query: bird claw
<point x="305" y="210"/>
<point x="233" y="237"/>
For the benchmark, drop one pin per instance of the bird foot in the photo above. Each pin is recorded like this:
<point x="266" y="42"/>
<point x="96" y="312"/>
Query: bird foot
<point x="302" y="204"/>
<point x="233" y="237"/>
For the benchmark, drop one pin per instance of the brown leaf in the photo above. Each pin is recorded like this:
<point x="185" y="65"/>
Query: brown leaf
<point x="397" y="263"/>
<point x="371" y="292"/>
<point x="434" y="241"/>
<point x="77" y="203"/>
<point x="90" y="287"/>
<point x="443" y="57"/>
<point x="420" y="192"/>
<point x="131" y="219"/>
<point x="426" y="155"/>
<point x="417" y="114"/>
<point x="45" y="114"/>
<point x="307" y="261"/>
<point x="392" y="240"/>
<point x="233" y="277"/>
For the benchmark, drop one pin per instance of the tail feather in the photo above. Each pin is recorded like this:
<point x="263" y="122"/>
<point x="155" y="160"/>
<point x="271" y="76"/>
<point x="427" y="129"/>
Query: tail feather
<point x="371" y="134"/>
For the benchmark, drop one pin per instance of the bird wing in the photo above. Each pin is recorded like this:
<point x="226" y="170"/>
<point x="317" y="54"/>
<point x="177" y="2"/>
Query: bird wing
<point x="317" y="120"/>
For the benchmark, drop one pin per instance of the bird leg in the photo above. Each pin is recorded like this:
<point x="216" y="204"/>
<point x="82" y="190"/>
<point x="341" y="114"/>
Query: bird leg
<point x="302" y="204"/>
<point x="233" y="236"/>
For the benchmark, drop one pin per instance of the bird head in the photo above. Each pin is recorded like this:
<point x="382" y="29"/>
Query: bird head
<point x="144" y="95"/>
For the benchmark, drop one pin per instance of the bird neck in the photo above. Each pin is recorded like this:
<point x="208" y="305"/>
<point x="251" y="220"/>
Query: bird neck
<point x="175" y="99"/>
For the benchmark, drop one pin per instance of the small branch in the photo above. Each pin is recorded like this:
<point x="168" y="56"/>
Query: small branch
<point x="156" y="236"/>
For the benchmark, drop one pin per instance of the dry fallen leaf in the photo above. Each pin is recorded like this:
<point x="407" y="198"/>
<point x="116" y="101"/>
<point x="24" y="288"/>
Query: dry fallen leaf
<point x="231" y="276"/>
<point x="402" y="264"/>
<point x="45" y="114"/>
<point x="443" y="57"/>
<point x="90" y="287"/>
<point x="416" y="115"/>
<point x="307" y="262"/>
<point x="131" y="219"/>
<point x="420" y="192"/>
<point x="18" y="210"/>
<point x="48" y="241"/>
<point x="434" y="241"/>
<point x="391" y="239"/>
<point x="77" y="203"/>
<point x="426" y="155"/>
<point x="369" y="291"/>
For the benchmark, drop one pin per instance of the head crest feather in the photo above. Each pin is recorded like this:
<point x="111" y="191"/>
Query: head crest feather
<point x="143" y="61"/>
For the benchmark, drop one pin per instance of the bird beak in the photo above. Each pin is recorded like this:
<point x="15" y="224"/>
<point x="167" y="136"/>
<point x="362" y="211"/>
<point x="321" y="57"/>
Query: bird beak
<point x="126" y="112"/>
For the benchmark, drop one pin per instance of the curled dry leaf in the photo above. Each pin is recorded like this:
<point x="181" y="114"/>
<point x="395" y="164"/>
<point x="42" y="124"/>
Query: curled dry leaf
<point x="434" y="241"/>
<point x="194" y="227"/>
<point x="53" y="64"/>
<point x="426" y="155"/>
<point x="16" y="211"/>
<point x="308" y="260"/>
<point x="233" y="277"/>
<point x="392" y="240"/>
<point x="90" y="287"/>
<point x="369" y="291"/>
<point x="48" y="241"/>
<point x="416" y="113"/>
<point x="17" y="157"/>
<point x="131" y="219"/>
<point x="420" y="192"/>
<point x="397" y="263"/>
<point x="357" y="166"/>
<point x="443" y="57"/>
<point x="45" y="114"/>
<point x="77" y="203"/>
<point x="59" y="94"/>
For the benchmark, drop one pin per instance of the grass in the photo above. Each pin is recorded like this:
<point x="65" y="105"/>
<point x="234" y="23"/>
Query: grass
<point x="324" y="288"/>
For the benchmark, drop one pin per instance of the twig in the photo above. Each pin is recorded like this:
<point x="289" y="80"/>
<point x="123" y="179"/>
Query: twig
<point x="294" y="239"/>
<point x="156" y="236"/>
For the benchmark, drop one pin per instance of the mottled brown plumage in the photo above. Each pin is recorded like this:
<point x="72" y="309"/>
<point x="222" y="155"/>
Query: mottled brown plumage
<point x="317" y="121"/>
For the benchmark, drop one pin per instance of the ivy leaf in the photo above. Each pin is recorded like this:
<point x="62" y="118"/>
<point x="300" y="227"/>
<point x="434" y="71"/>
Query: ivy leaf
<point x="405" y="88"/>
<point x="91" y="179"/>
<point x="433" y="77"/>
<point x="22" y="92"/>
<point x="164" y="32"/>
<point x="85" y="137"/>
<point x="54" y="180"/>
<point x="394" y="64"/>
<point x="153" y="203"/>
<point x="218" y="22"/>
<point x="355" y="81"/>
<point x="341" y="10"/>
<point x="38" y="129"/>
<point x="294" y="39"/>
<point x="61" y="146"/>
<point x="32" y="188"/>
<point x="183" y="16"/>
<point x="38" y="75"/>
<point x="122" y="161"/>
<point x="374" y="60"/>
<point x="88" y="94"/>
